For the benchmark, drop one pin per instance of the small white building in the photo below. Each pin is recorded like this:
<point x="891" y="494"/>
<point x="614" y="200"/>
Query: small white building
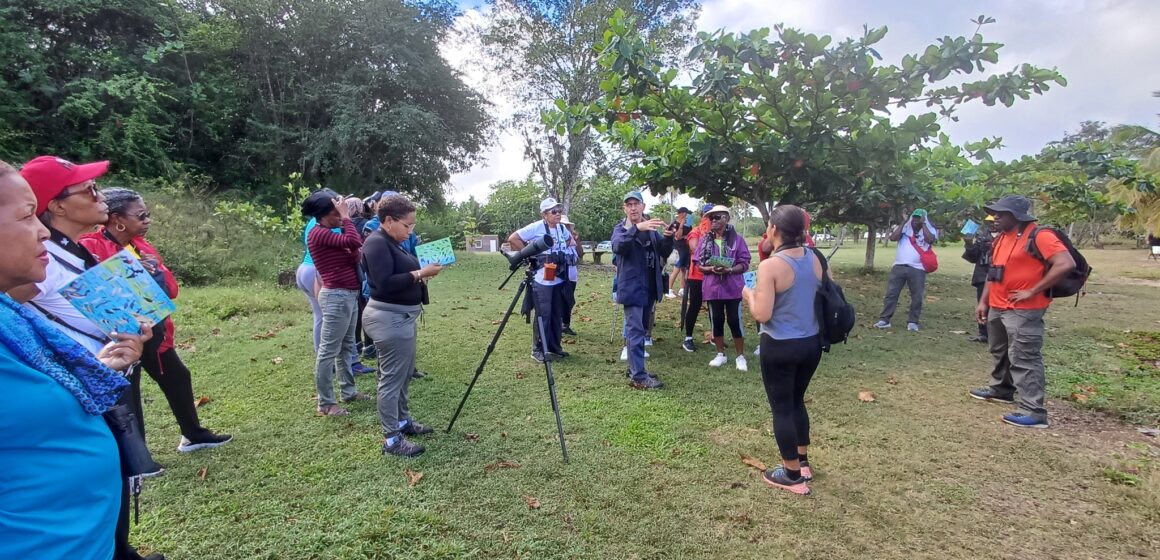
<point x="483" y="244"/>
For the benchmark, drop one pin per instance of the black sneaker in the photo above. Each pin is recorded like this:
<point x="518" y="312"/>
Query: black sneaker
<point x="538" y="357"/>
<point x="156" y="470"/>
<point x="418" y="374"/>
<point x="558" y="354"/>
<point x="568" y="331"/>
<point x="403" y="448"/>
<point x="414" y="428"/>
<point x="649" y="382"/>
<point x="205" y="440"/>
<point x="978" y="338"/>
<point x="369" y="353"/>
<point x="990" y="394"/>
<point x="689" y="345"/>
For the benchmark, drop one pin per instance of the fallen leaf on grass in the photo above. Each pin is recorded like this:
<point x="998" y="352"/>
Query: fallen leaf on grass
<point x="200" y="401"/>
<point x="501" y="465"/>
<point x="1079" y="397"/>
<point x="202" y="472"/>
<point x="264" y="336"/>
<point x="277" y="360"/>
<point x="216" y="332"/>
<point x="735" y="485"/>
<point x="520" y="375"/>
<point x="472" y="437"/>
<point x="1122" y="345"/>
<point x="253" y="359"/>
<point x="570" y="341"/>
<point x="585" y="319"/>
<point x="866" y="396"/>
<point x="892" y="381"/>
<point x="755" y="463"/>
<point x="413" y="477"/>
<point x="503" y="434"/>
<point x="495" y="322"/>
<point x="532" y="502"/>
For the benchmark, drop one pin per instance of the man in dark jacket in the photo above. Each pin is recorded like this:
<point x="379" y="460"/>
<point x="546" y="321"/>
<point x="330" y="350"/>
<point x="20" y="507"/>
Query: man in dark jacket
<point x="978" y="251"/>
<point x="641" y="250"/>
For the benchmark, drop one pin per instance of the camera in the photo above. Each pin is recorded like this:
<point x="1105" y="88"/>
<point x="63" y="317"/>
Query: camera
<point x="995" y="273"/>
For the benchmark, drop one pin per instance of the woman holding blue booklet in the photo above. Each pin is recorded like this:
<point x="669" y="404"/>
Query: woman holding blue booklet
<point x="723" y="257"/>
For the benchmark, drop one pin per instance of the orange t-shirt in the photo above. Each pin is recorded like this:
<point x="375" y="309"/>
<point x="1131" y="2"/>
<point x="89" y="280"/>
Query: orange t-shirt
<point x="1021" y="270"/>
<point x="694" y="238"/>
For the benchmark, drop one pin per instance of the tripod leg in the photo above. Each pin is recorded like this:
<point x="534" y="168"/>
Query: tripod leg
<point x="486" y="355"/>
<point x="552" y="389"/>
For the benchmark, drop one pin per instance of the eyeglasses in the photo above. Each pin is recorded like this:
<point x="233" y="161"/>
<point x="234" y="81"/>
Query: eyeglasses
<point x="554" y="212"/>
<point x="90" y="188"/>
<point x="141" y="216"/>
<point x="409" y="226"/>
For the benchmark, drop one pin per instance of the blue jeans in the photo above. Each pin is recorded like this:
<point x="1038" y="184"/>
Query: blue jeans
<point x="636" y="319"/>
<point x="339" y="314"/>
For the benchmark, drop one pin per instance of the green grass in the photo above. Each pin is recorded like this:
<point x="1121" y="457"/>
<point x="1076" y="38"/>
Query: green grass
<point x="923" y="472"/>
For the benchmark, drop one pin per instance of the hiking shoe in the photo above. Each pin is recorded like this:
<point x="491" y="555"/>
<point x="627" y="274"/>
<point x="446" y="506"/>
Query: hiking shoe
<point x="418" y="374"/>
<point x="719" y="360"/>
<point x="648" y="341"/>
<point x="413" y="428"/>
<point x="358" y="368"/>
<point x="558" y="355"/>
<point x="205" y="440"/>
<point x="403" y="448"/>
<point x="689" y="345"/>
<point x="624" y="354"/>
<point x="778" y="478"/>
<point x="807" y="473"/>
<point x="648" y="382"/>
<point x="568" y="331"/>
<point x="978" y="338"/>
<point x="369" y="353"/>
<point x="538" y="357"/>
<point x="913" y="327"/>
<point x="882" y="324"/>
<point x="357" y="397"/>
<point x="742" y="365"/>
<point x="1024" y="421"/>
<point x="990" y="394"/>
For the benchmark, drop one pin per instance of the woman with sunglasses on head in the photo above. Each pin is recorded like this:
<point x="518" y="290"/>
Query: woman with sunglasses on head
<point x="723" y="282"/>
<point x="69" y="204"/>
<point x="125" y="230"/>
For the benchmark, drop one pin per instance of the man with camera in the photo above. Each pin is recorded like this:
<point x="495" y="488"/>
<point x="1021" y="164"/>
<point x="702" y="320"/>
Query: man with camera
<point x="912" y="235"/>
<point x="552" y="269"/>
<point x="1013" y="304"/>
<point x="641" y="247"/>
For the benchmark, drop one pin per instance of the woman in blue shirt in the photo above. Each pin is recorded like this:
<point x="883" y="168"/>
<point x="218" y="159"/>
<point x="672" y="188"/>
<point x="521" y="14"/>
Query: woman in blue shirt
<point x="60" y="489"/>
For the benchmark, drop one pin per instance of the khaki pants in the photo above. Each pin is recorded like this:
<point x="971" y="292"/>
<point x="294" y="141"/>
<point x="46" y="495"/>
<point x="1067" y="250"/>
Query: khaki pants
<point x="1016" y="338"/>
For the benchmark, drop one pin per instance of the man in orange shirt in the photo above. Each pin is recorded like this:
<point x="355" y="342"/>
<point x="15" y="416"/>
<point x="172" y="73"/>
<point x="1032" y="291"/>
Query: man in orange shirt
<point x="1012" y="306"/>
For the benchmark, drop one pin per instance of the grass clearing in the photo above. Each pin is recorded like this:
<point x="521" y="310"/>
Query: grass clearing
<point x="922" y="472"/>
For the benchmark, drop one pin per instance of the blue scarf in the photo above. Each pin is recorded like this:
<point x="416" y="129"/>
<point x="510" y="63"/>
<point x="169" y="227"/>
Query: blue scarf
<point x="45" y="348"/>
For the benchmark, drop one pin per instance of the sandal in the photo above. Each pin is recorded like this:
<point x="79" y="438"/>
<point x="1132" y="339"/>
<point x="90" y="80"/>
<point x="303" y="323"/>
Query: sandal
<point x="332" y="410"/>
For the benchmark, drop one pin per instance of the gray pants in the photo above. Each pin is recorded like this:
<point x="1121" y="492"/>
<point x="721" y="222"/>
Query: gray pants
<point x="915" y="280"/>
<point x="1016" y="337"/>
<point x="395" y="330"/>
<point x="305" y="276"/>
<point x="339" y="313"/>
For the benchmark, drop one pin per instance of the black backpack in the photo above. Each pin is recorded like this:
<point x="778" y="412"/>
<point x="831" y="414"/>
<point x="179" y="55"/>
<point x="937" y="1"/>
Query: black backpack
<point x="836" y="316"/>
<point x="1073" y="283"/>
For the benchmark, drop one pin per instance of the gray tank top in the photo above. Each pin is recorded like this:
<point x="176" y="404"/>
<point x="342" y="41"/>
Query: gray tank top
<point x="794" y="315"/>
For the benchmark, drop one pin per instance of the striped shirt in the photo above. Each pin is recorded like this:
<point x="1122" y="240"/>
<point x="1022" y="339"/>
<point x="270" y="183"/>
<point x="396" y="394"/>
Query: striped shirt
<point x="336" y="255"/>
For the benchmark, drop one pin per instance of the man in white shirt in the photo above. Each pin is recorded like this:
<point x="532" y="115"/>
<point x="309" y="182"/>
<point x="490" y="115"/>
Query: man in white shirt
<point x="911" y="235"/>
<point x="552" y="269"/>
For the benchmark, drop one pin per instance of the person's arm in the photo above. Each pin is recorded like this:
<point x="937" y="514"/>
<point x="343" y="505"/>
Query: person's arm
<point x="973" y="252"/>
<point x="761" y="297"/>
<point x="520" y="237"/>
<point x="348" y="239"/>
<point x="515" y="242"/>
<point x="929" y="232"/>
<point x="896" y="233"/>
<point x="623" y="235"/>
<point x="666" y="245"/>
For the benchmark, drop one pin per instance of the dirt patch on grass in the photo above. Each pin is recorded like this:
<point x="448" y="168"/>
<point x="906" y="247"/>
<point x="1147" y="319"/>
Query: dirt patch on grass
<point x="1090" y="432"/>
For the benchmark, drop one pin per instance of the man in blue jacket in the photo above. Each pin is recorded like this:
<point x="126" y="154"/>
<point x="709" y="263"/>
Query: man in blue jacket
<point x="641" y="247"/>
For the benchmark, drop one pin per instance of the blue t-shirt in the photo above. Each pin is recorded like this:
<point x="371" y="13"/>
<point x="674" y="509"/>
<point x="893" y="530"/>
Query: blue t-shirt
<point x="60" y="487"/>
<point x="306" y="258"/>
<point x="560" y="237"/>
<point x="409" y="245"/>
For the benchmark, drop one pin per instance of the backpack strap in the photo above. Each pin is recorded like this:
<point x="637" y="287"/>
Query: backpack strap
<point x="1033" y="249"/>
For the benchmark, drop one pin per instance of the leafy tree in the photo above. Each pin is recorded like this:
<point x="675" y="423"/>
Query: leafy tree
<point x="544" y="49"/>
<point x="599" y="207"/>
<point x="513" y="205"/>
<point x="790" y="117"/>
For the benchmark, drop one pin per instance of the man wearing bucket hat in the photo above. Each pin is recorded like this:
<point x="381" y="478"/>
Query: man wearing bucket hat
<point x="641" y="247"/>
<point x="1013" y="305"/>
<point x="552" y="268"/>
<point x="978" y="251"/>
<point x="911" y="235"/>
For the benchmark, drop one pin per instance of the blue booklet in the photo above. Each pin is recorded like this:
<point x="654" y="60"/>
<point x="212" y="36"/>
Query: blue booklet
<point x="970" y="228"/>
<point x="439" y="251"/>
<point x="751" y="279"/>
<point x="119" y="294"/>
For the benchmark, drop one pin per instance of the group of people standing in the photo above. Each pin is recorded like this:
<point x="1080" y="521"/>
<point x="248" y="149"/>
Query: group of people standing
<point x="68" y="494"/>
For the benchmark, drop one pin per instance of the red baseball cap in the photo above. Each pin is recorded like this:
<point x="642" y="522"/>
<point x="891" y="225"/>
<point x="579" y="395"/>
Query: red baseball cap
<point x="49" y="176"/>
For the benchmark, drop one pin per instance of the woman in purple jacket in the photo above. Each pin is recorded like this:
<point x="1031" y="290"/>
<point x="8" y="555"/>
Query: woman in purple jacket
<point x="723" y="283"/>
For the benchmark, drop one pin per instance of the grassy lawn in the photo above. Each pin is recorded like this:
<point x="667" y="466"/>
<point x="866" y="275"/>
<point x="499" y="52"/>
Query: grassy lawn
<point x="922" y="472"/>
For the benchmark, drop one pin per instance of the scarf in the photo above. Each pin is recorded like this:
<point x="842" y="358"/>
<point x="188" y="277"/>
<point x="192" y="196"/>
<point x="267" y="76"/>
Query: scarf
<point x="45" y="348"/>
<point x="709" y="240"/>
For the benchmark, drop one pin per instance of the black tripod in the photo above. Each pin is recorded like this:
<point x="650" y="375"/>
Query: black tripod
<point x="529" y="275"/>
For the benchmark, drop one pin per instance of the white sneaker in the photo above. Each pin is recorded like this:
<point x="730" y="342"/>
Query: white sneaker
<point x="718" y="361"/>
<point x="624" y="354"/>
<point x="757" y="351"/>
<point x="742" y="365"/>
<point x="648" y="341"/>
<point x="912" y="327"/>
<point x="671" y="295"/>
<point x="681" y="292"/>
<point x="882" y="325"/>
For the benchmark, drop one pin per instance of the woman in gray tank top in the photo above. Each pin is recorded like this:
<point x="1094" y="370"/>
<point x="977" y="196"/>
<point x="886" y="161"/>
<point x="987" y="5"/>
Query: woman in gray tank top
<point x="783" y="303"/>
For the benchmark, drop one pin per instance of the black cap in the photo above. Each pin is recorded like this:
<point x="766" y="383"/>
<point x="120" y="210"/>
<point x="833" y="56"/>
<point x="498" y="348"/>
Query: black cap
<point x="683" y="210"/>
<point x="1018" y="206"/>
<point x="319" y="204"/>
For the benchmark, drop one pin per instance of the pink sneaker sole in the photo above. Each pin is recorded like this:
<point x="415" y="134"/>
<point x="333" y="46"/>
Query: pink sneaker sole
<point x="799" y="489"/>
<point x="807" y="474"/>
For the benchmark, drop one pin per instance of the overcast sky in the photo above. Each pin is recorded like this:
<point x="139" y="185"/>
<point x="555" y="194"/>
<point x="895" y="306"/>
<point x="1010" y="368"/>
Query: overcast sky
<point x="1109" y="51"/>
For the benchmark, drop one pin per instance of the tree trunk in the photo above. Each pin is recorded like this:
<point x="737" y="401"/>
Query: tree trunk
<point x="871" y="240"/>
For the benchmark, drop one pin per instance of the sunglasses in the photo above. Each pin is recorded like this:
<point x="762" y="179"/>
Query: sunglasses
<point x="554" y="211"/>
<point x="716" y="217"/>
<point x="141" y="216"/>
<point x="91" y="189"/>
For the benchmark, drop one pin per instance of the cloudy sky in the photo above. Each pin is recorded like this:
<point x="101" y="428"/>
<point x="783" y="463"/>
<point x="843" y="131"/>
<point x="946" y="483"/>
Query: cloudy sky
<point x="1109" y="51"/>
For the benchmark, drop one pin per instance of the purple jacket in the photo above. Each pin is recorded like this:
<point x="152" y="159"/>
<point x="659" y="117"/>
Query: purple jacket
<point x="716" y="287"/>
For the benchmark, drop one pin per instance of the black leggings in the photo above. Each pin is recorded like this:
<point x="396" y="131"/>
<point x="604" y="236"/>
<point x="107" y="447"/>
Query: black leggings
<point x="693" y="290"/>
<point x="176" y="384"/>
<point x="721" y="310"/>
<point x="786" y="369"/>
<point x="569" y="301"/>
